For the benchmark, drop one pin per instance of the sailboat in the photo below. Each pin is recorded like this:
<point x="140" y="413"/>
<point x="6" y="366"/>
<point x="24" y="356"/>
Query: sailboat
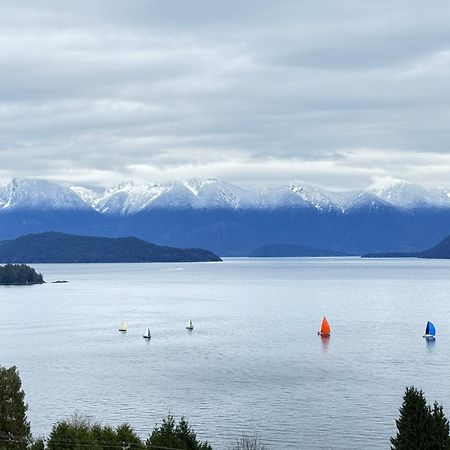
<point x="325" y="328"/>
<point x="147" y="334"/>
<point x="123" y="327"/>
<point x="430" y="332"/>
<point x="190" y="327"/>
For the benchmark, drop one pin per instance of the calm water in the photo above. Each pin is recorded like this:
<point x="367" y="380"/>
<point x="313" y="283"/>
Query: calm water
<point x="253" y="364"/>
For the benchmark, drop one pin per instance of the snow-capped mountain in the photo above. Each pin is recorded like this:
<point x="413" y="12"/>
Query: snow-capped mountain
<point x="131" y="198"/>
<point x="39" y="194"/>
<point x="406" y="195"/>
<point x="231" y="220"/>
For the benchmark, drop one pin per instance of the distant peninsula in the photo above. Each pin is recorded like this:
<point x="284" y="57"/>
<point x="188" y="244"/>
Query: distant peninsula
<point x="19" y="274"/>
<point x="53" y="247"/>
<point x="439" y="251"/>
<point x="288" y="250"/>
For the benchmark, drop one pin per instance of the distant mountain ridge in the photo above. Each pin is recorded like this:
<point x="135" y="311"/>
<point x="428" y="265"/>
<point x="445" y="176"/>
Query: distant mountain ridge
<point x="51" y="247"/>
<point x="286" y="250"/>
<point x="439" y="251"/>
<point x="230" y="220"/>
<point x="131" y="198"/>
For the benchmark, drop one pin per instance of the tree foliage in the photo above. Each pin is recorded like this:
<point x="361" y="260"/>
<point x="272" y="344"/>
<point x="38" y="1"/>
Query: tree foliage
<point x="80" y="432"/>
<point x="419" y="426"/>
<point x="19" y="274"/>
<point x="14" y="426"/>
<point x="180" y="435"/>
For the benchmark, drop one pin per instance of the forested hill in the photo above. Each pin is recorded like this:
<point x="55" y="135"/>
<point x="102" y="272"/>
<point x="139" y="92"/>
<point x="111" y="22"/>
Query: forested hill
<point x="52" y="247"/>
<point x="19" y="274"/>
<point x="439" y="251"/>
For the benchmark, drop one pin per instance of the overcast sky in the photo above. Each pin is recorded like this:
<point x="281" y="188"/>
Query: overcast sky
<point x="342" y="94"/>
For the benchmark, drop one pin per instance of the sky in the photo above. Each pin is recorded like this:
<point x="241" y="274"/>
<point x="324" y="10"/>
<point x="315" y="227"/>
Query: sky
<point x="340" y="94"/>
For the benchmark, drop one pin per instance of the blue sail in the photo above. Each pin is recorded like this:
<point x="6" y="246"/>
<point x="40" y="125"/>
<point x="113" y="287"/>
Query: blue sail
<point x="430" y="329"/>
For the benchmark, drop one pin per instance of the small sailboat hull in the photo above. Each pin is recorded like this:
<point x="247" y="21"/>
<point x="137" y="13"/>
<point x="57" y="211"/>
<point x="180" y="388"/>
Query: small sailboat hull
<point x="429" y="337"/>
<point x="190" y="326"/>
<point x="319" y="333"/>
<point x="147" y="337"/>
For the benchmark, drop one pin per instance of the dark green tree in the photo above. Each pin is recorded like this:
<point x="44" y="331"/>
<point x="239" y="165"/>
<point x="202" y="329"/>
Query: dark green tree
<point x="126" y="434"/>
<point x="19" y="274"/>
<point x="80" y="433"/>
<point x="420" y="427"/>
<point x="439" y="428"/>
<point x="14" y="426"/>
<point x="180" y="436"/>
<point x="38" y="445"/>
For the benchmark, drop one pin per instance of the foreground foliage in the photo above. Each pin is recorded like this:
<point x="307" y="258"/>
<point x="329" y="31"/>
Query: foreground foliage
<point x="19" y="274"/>
<point x="420" y="426"/>
<point x="80" y="432"/>
<point x="180" y="436"/>
<point x="247" y="442"/>
<point x="14" y="427"/>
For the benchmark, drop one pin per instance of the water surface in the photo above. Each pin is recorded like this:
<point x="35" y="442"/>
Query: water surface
<point x="254" y="363"/>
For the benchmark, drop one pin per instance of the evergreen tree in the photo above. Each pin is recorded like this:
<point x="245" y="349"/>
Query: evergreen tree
<point x="80" y="433"/>
<point x="439" y="428"/>
<point x="19" y="274"/>
<point x="176" y="436"/>
<point x="14" y="427"/>
<point x="420" y="427"/>
<point x="38" y="445"/>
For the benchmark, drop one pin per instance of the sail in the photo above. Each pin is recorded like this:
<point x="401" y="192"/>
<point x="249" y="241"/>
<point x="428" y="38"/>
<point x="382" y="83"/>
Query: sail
<point x="148" y="332"/>
<point x="123" y="327"/>
<point x="190" y="324"/>
<point x="325" y="328"/>
<point x="430" y="329"/>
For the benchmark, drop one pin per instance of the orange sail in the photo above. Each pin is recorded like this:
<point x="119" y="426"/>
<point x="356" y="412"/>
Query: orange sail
<point x="325" y="328"/>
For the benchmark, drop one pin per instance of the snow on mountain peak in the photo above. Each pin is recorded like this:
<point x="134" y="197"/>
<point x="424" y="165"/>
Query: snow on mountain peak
<point x="195" y="185"/>
<point x="87" y="195"/>
<point x="212" y="193"/>
<point x="129" y="197"/>
<point x="403" y="194"/>
<point x="42" y="194"/>
<point x="314" y="196"/>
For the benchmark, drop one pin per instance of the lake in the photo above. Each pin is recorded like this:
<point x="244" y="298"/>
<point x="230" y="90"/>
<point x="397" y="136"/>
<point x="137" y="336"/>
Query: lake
<point x="253" y="364"/>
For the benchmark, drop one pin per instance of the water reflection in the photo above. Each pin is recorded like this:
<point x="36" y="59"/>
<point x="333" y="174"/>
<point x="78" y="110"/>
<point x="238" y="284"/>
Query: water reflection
<point x="430" y="344"/>
<point x="325" y="342"/>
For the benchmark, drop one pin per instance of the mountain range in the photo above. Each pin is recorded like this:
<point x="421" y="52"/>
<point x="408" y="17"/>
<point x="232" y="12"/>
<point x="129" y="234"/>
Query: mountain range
<point x="232" y="220"/>
<point x="131" y="198"/>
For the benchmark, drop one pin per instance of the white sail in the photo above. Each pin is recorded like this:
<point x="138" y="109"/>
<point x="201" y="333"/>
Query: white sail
<point x="123" y="327"/>
<point x="190" y="326"/>
<point x="148" y="332"/>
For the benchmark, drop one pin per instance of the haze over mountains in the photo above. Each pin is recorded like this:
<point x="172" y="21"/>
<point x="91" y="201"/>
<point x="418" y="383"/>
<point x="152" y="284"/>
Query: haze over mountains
<point x="231" y="220"/>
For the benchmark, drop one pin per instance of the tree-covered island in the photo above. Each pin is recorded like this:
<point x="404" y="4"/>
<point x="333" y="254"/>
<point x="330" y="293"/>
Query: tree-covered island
<point x="19" y="274"/>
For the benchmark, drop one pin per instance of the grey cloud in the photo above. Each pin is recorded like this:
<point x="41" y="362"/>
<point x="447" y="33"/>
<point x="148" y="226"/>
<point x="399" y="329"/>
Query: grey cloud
<point x="110" y="89"/>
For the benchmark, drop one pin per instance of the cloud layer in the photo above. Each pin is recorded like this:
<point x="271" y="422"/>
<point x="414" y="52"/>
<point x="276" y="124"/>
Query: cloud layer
<point x="337" y="93"/>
